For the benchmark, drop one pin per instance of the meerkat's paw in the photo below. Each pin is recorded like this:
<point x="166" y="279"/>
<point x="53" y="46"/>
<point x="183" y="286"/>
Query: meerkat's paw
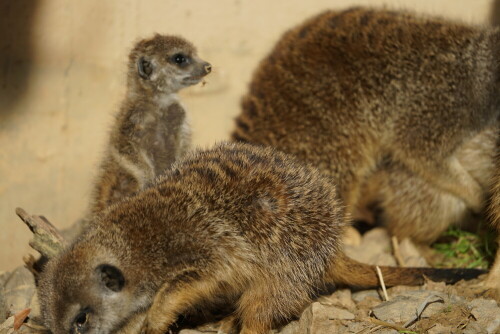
<point x="487" y="288"/>
<point x="229" y="325"/>
<point x="133" y="324"/>
<point x="145" y="327"/>
<point x="491" y="285"/>
<point x="481" y="290"/>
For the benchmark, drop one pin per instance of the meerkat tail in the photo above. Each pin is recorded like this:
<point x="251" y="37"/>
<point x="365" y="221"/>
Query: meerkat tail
<point x="346" y="271"/>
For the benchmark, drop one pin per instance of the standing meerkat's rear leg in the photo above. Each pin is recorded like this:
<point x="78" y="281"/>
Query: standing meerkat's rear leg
<point x="493" y="280"/>
<point x="451" y="177"/>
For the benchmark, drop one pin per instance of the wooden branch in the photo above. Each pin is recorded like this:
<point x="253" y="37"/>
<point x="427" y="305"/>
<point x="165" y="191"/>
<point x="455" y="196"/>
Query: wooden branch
<point x="47" y="240"/>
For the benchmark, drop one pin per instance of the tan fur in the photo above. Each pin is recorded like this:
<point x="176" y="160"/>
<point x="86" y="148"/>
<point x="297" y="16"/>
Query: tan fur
<point x="493" y="279"/>
<point x="246" y="224"/>
<point x="411" y="207"/>
<point x="151" y="130"/>
<point x="392" y="106"/>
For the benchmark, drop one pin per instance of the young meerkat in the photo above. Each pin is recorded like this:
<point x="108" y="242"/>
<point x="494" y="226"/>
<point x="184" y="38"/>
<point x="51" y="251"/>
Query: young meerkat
<point x="350" y="91"/>
<point x="151" y="130"/>
<point x="247" y="223"/>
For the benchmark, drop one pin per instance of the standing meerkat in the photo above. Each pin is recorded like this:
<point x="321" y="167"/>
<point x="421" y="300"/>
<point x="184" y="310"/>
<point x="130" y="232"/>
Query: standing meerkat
<point x="355" y="90"/>
<point x="247" y="223"/>
<point x="151" y="130"/>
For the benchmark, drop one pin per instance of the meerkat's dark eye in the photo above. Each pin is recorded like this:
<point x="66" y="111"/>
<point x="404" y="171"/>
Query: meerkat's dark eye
<point x="180" y="59"/>
<point x="80" y="321"/>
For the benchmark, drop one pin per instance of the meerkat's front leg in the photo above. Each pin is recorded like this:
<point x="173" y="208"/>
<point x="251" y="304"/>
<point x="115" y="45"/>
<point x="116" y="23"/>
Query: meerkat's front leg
<point x="229" y="325"/>
<point x="133" y="324"/>
<point x="174" y="298"/>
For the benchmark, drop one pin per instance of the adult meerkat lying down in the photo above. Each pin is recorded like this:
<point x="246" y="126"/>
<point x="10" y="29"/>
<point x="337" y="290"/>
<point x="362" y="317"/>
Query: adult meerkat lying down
<point x="246" y="223"/>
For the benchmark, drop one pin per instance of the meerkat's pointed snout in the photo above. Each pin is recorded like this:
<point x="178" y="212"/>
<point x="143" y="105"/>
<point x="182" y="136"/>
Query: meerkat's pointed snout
<point x="207" y="67"/>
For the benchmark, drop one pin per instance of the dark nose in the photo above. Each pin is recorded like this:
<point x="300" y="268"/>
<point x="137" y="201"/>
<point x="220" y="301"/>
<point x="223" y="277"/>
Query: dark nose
<point x="208" y="68"/>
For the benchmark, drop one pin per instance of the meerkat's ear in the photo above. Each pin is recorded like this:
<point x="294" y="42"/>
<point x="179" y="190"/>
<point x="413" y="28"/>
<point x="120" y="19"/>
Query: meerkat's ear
<point x="111" y="277"/>
<point x="144" y="68"/>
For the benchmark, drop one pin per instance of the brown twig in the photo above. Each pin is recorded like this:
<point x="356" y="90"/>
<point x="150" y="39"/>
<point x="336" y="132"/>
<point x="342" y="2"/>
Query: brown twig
<point x="46" y="238"/>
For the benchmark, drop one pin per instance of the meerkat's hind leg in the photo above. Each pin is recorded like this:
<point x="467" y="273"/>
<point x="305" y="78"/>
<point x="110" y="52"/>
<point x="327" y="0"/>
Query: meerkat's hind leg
<point x="269" y="301"/>
<point x="455" y="179"/>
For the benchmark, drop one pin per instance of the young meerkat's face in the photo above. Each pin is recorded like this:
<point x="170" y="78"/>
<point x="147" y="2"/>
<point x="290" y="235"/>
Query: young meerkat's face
<point x="167" y="64"/>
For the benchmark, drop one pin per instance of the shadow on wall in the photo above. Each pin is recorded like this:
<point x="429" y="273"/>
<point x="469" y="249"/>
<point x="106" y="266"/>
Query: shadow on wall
<point x="16" y="50"/>
<point x="495" y="13"/>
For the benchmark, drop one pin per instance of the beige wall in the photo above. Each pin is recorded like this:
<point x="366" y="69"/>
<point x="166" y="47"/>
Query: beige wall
<point x="62" y="77"/>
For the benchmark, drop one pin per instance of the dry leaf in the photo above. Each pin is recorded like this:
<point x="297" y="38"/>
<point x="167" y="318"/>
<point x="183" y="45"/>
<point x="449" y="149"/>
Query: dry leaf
<point x="19" y="318"/>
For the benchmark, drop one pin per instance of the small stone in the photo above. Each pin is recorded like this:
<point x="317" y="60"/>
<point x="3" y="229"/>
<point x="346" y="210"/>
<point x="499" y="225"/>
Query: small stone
<point x="352" y="237"/>
<point x="439" y="329"/>
<point x="474" y="328"/>
<point x="291" y="328"/>
<point x="7" y="326"/>
<point x="317" y="319"/>
<point x="19" y="290"/>
<point x="361" y="295"/>
<point x="487" y="314"/>
<point x="341" y="298"/>
<point x="340" y="314"/>
<point x="379" y="237"/>
<point x="378" y="242"/>
<point x="356" y="326"/>
<point x="411" y="255"/>
<point x="404" y="307"/>
<point x="18" y="278"/>
<point x="387" y="331"/>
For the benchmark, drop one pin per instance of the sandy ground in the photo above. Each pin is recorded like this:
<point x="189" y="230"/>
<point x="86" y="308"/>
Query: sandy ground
<point x="62" y="78"/>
